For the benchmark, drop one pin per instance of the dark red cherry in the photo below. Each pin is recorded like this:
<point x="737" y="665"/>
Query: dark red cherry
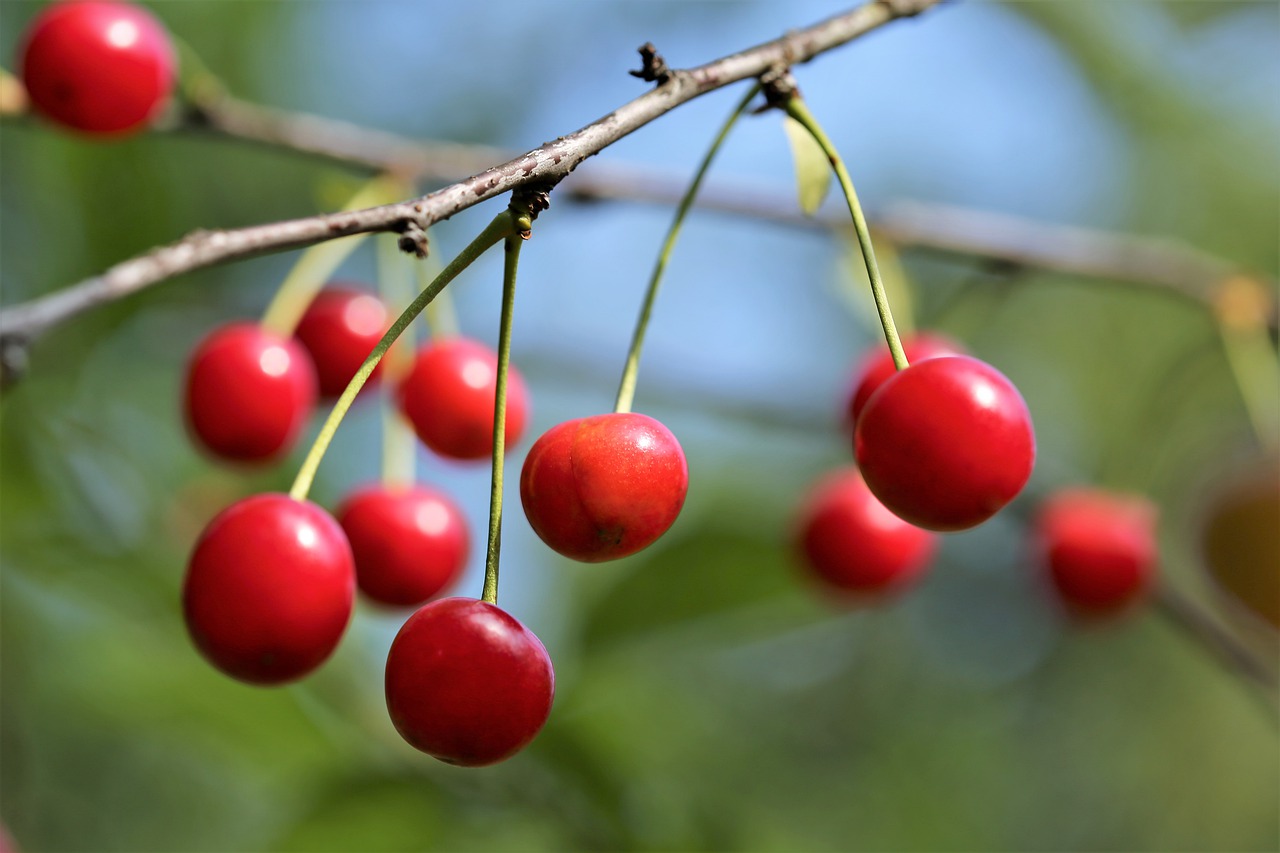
<point x="339" y="330"/>
<point x="855" y="546"/>
<point x="1098" y="547"/>
<point x="269" y="589"/>
<point x="248" y="393"/>
<point x="603" y="487"/>
<point x="945" y="443"/>
<point x="877" y="366"/>
<point x="410" y="542"/>
<point x="98" y="67"/>
<point x="467" y="683"/>
<point x="448" y="396"/>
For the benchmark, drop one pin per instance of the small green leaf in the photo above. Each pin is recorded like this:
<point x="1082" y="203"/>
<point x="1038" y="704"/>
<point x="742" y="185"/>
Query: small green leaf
<point x="813" y="172"/>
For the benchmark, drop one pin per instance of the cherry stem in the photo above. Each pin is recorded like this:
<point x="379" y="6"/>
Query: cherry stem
<point x="442" y="319"/>
<point x="627" y="387"/>
<point x="503" y="225"/>
<point x="511" y="260"/>
<point x="318" y="263"/>
<point x="399" y="445"/>
<point x="1182" y="613"/>
<point x="1242" y="306"/>
<point x="196" y="82"/>
<point x="796" y="108"/>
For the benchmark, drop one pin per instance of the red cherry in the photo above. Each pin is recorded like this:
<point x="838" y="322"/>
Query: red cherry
<point x="603" y="487"/>
<point x="339" y="329"/>
<point x="1099" y="548"/>
<point x="467" y="683"/>
<point x="945" y="443"/>
<point x="269" y="589"/>
<point x="853" y="544"/>
<point x="249" y="393"/>
<point x="877" y="366"/>
<point x="448" y="396"/>
<point x="409" y="543"/>
<point x="98" y="67"/>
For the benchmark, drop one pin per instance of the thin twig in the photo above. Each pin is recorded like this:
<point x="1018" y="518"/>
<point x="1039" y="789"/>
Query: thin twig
<point x="1221" y="644"/>
<point x="543" y="166"/>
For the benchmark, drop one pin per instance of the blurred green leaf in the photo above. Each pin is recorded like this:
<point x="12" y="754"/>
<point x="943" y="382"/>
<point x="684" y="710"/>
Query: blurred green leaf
<point x="698" y="577"/>
<point x="813" y="171"/>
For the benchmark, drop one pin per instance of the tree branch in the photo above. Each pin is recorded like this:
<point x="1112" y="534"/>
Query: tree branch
<point x="543" y="166"/>
<point x="1220" y="644"/>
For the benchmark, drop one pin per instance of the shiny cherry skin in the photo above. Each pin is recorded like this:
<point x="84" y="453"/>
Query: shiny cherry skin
<point x="602" y="487"/>
<point x="945" y="443"/>
<point x="340" y="328"/>
<point x="410" y="542"/>
<point x="101" y="68"/>
<point x="1098" y="548"/>
<point x="249" y="393"/>
<point x="269" y="589"/>
<point x="467" y="683"/>
<point x="877" y="366"/>
<point x="448" y="396"/>
<point x="854" y="546"/>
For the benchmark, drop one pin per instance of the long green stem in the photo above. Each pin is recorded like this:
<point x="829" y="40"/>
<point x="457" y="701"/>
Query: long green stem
<point x="627" y="387"/>
<point x="442" y="318"/>
<point x="399" y="445"/>
<point x="797" y="110"/>
<point x="512" y="259"/>
<point x="316" y="264"/>
<point x="503" y="225"/>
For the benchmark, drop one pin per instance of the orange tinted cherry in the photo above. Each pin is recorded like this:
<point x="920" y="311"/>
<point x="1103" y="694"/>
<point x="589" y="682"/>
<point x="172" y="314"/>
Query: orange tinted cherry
<point x="603" y="487"/>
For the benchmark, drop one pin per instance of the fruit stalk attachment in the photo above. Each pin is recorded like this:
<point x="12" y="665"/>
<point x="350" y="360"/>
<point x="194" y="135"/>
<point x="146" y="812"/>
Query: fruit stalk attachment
<point x="523" y="223"/>
<point x="795" y="107"/>
<point x="627" y="387"/>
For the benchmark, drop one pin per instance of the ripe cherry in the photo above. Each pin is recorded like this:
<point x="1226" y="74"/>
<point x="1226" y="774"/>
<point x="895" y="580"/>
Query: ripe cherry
<point x="269" y="589"/>
<point x="1099" y="548"/>
<point x="339" y="329"/>
<point x="877" y="366"/>
<point x="98" y="67"/>
<point x="853" y="545"/>
<point x="945" y="443"/>
<point x="409" y="542"/>
<point x="448" y="396"/>
<point x="249" y="393"/>
<point x="603" y="487"/>
<point x="467" y="683"/>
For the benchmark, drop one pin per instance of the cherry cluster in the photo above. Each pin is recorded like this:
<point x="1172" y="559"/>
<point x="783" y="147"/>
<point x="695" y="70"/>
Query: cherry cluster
<point x="270" y="586"/>
<point x="942" y="442"/>
<point x="865" y="532"/>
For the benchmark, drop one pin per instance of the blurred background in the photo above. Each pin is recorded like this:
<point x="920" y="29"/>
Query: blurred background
<point x="708" y="696"/>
